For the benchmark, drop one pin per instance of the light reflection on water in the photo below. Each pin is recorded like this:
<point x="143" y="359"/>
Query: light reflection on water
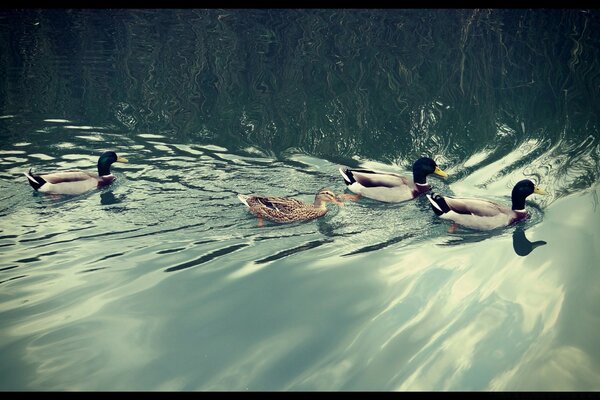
<point x="371" y="296"/>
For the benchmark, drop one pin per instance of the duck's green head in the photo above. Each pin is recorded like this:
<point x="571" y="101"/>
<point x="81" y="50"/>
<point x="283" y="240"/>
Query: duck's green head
<point x="425" y="166"/>
<point x="106" y="160"/>
<point x="521" y="190"/>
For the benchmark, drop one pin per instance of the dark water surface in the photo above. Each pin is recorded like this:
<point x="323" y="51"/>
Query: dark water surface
<point x="163" y="281"/>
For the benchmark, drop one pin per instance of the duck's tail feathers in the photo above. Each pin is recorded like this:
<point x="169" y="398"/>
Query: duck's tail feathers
<point x="35" y="181"/>
<point x="347" y="175"/>
<point x="438" y="204"/>
<point x="244" y="199"/>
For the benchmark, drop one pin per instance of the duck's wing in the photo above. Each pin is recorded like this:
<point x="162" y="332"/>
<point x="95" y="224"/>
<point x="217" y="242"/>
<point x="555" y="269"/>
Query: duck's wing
<point x="283" y="205"/>
<point x="68" y="176"/>
<point x="71" y="182"/>
<point x="370" y="178"/>
<point x="266" y="202"/>
<point x="280" y="209"/>
<point x="476" y="207"/>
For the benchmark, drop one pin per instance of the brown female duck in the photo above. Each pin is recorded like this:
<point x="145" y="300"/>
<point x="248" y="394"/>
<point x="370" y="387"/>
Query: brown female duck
<point x="288" y="209"/>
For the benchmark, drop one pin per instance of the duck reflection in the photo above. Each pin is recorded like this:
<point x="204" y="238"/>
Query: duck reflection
<point x="522" y="245"/>
<point x="108" y="197"/>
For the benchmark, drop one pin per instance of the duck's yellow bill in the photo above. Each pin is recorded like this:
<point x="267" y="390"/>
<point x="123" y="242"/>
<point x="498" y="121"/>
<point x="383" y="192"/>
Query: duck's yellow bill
<point x="538" y="190"/>
<point x="338" y="202"/>
<point x="121" y="159"/>
<point x="439" y="172"/>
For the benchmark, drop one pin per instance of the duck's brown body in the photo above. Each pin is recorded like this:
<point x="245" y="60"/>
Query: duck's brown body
<point x="288" y="209"/>
<point x="283" y="209"/>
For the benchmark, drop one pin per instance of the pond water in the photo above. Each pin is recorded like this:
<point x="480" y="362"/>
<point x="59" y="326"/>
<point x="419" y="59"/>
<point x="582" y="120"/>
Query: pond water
<point x="163" y="280"/>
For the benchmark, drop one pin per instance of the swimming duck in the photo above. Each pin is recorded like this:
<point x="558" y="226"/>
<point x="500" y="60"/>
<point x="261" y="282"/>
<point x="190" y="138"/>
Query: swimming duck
<point x="484" y="214"/>
<point x="288" y="209"/>
<point x="75" y="181"/>
<point x="391" y="187"/>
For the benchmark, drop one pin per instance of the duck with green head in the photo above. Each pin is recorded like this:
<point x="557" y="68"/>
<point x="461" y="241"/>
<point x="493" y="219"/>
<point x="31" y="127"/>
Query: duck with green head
<point x="484" y="214"/>
<point x="390" y="187"/>
<point x="75" y="181"/>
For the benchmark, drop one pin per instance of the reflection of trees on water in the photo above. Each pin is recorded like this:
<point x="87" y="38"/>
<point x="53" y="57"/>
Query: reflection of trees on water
<point x="386" y="85"/>
<point x="380" y="84"/>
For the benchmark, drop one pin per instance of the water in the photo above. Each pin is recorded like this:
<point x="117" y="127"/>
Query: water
<point x="163" y="281"/>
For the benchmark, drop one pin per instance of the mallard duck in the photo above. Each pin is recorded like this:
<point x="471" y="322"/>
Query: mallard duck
<point x="288" y="209"/>
<point x="484" y="214"/>
<point x="391" y="187"/>
<point x="75" y="181"/>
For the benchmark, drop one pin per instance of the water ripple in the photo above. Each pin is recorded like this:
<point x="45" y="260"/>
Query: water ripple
<point x="206" y="258"/>
<point x="288" y="252"/>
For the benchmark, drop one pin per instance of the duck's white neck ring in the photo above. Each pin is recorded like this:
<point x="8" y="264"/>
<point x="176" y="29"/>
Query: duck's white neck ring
<point x="521" y="211"/>
<point x="421" y="184"/>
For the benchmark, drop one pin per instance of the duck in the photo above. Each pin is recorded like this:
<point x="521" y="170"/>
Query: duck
<point x="390" y="187"/>
<point x="75" y="181"/>
<point x="482" y="214"/>
<point x="288" y="209"/>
